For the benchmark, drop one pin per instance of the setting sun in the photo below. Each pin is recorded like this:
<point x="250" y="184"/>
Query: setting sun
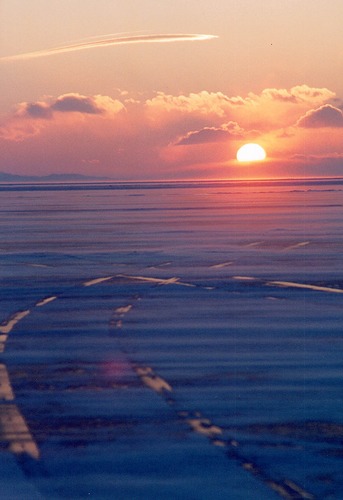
<point x="251" y="152"/>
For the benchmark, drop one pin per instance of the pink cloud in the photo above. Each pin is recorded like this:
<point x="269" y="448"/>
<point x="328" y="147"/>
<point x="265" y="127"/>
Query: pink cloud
<point x="212" y="134"/>
<point x="221" y="105"/>
<point x="19" y="130"/>
<point x="30" y="118"/>
<point x="297" y="95"/>
<point x="202" y="103"/>
<point x="325" y="116"/>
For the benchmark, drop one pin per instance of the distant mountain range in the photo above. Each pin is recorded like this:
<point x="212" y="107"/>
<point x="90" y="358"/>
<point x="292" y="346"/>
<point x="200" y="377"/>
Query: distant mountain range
<point x="5" y="177"/>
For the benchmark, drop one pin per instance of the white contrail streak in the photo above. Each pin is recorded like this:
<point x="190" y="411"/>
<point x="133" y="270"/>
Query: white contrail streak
<point x="106" y="42"/>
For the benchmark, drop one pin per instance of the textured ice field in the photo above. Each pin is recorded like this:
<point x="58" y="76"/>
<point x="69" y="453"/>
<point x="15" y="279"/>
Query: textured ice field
<point x="171" y="341"/>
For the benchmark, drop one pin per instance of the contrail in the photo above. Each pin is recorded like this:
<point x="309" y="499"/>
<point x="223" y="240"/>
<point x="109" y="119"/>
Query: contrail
<point x="106" y="42"/>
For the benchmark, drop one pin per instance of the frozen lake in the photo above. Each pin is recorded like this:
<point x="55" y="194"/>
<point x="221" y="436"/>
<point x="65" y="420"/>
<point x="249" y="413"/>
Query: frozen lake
<point x="171" y="340"/>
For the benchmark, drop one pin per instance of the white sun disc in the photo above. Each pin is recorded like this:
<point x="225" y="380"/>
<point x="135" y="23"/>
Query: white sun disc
<point x="251" y="152"/>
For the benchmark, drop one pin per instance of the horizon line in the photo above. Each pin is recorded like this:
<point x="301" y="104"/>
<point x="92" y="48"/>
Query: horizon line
<point x="105" y="180"/>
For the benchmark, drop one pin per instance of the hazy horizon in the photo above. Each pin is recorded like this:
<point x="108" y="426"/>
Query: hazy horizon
<point x="68" y="177"/>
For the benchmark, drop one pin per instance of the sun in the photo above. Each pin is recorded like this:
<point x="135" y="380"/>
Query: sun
<point x="251" y="152"/>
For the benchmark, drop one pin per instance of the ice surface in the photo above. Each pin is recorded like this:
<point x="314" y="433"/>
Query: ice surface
<point x="183" y="343"/>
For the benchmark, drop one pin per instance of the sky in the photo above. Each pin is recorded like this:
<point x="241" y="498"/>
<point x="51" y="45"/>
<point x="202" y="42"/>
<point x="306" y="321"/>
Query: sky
<point x="151" y="90"/>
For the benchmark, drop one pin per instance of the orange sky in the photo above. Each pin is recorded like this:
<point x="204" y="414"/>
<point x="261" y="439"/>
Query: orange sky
<point x="271" y="74"/>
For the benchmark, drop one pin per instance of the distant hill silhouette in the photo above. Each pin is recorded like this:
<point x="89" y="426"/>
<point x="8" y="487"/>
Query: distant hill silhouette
<point x="6" y="177"/>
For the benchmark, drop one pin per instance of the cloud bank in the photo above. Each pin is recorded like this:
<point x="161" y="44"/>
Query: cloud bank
<point x="107" y="42"/>
<point x="160" y="136"/>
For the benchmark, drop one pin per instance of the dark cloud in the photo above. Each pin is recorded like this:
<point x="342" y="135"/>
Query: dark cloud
<point x="38" y="110"/>
<point x="75" y="103"/>
<point x="211" y="134"/>
<point x="325" y="116"/>
<point x="203" y="136"/>
<point x="68" y="103"/>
